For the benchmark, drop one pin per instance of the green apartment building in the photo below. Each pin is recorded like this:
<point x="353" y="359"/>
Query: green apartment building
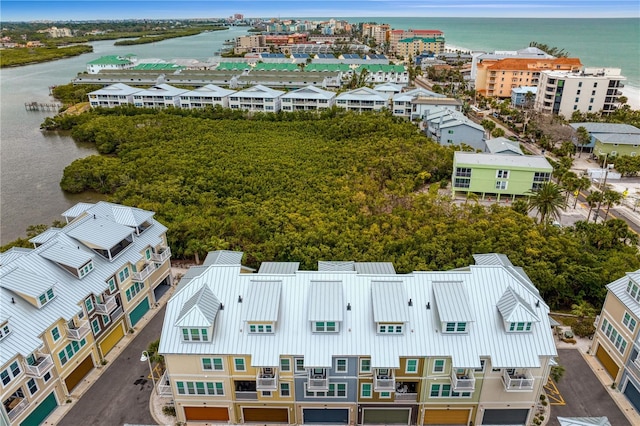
<point x="498" y="175"/>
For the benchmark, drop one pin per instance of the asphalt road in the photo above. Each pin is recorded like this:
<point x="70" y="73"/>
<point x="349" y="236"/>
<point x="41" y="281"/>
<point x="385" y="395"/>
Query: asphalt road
<point x="121" y="394"/>
<point x="583" y="393"/>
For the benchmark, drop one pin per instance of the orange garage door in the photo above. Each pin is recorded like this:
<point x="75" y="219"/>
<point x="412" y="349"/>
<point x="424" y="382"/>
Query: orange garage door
<point x="446" y="417"/>
<point x="608" y="362"/>
<point x="78" y="374"/>
<point x="268" y="415"/>
<point x="210" y="414"/>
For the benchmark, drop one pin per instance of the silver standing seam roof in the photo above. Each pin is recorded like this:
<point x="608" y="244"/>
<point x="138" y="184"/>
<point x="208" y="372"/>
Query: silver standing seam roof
<point x="279" y="268"/>
<point x="452" y="302"/>
<point x="66" y="254"/>
<point x="99" y="232"/>
<point x="619" y="289"/>
<point x="200" y="310"/>
<point x="262" y="301"/>
<point x="584" y="421"/>
<point x="326" y="302"/>
<point x="515" y="309"/>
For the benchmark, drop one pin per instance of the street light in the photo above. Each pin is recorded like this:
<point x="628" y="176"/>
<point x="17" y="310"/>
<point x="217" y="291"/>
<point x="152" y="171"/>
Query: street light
<point x="145" y="357"/>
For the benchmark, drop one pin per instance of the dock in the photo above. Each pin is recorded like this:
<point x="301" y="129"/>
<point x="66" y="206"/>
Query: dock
<point x="38" y="106"/>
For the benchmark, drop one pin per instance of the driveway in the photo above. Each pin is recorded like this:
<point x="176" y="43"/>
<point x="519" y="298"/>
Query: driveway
<point x="583" y="393"/>
<point x="121" y="394"/>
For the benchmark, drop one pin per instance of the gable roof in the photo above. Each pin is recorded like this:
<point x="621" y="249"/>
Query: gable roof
<point x="363" y="93"/>
<point x="259" y="89"/>
<point x="280" y="268"/>
<point x="515" y="309"/>
<point x="309" y="92"/>
<point x="223" y="257"/>
<point x="503" y="146"/>
<point x="100" y="233"/>
<point x="199" y="310"/>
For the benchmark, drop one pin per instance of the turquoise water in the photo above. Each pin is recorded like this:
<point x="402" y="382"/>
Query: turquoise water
<point x="613" y="43"/>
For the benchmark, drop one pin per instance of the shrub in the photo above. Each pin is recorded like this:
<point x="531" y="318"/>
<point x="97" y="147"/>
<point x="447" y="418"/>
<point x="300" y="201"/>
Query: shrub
<point x="545" y="403"/>
<point x="584" y="328"/>
<point x="543" y="397"/>
<point x="169" y="410"/>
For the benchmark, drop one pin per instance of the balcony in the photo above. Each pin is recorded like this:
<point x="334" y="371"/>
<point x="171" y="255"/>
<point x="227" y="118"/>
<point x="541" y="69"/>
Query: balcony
<point x="267" y="379"/>
<point x="383" y="380"/>
<point x="517" y="380"/>
<point x="245" y="390"/>
<point x="78" y="332"/>
<point x="406" y="391"/>
<point x="145" y="272"/>
<point x="15" y="407"/>
<point x="40" y="366"/>
<point x="318" y="380"/>
<point x="164" y="385"/>
<point x="463" y="380"/>
<point x="117" y="313"/>
<point x="108" y="306"/>
<point x="161" y="255"/>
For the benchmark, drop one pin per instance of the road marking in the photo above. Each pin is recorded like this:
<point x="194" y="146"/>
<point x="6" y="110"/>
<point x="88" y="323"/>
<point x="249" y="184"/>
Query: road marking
<point x="553" y="393"/>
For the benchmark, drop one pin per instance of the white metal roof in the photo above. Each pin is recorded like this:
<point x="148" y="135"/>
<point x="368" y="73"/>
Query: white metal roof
<point x="584" y="421"/>
<point x="389" y="301"/>
<point x="77" y="210"/>
<point x="485" y="286"/>
<point x="161" y="90"/>
<point x="375" y="268"/>
<point x="259" y="90"/>
<point x="363" y="93"/>
<point x="330" y="265"/>
<point x="500" y="160"/>
<point x="492" y="259"/>
<point x="309" y="92"/>
<point x="24" y="282"/>
<point x="326" y="301"/>
<point x="12" y="254"/>
<point x="619" y="289"/>
<point x="209" y="90"/>
<point x="515" y="309"/>
<point x="99" y="233"/>
<point x="199" y="310"/>
<point x="117" y="89"/>
<point x="279" y="267"/>
<point x="415" y="93"/>
<point x="223" y="257"/>
<point x="261" y="300"/>
<point x="44" y="236"/>
<point x="503" y="146"/>
<point x="124" y="215"/>
<point x="452" y="302"/>
<point x="66" y="254"/>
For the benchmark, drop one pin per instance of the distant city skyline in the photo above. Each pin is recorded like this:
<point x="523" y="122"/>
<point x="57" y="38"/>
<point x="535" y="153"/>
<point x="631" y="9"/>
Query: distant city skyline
<point x="55" y="10"/>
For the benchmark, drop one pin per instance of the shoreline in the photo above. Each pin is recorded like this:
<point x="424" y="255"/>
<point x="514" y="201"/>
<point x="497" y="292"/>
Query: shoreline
<point x="631" y="92"/>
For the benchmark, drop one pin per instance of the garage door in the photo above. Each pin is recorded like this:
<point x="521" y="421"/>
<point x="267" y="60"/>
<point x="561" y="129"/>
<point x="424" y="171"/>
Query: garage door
<point x="270" y="415"/>
<point x="446" y="417"/>
<point x="325" y="416"/>
<point x="42" y="412"/>
<point x="78" y="374"/>
<point x="399" y="416"/>
<point x="112" y="338"/>
<point x="209" y="414"/>
<point x="607" y="362"/>
<point x="633" y="395"/>
<point x="505" y="417"/>
<point x="139" y="311"/>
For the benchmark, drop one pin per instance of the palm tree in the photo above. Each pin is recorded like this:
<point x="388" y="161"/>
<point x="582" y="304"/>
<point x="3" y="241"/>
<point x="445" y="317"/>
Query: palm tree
<point x="593" y="199"/>
<point x="547" y="201"/>
<point x="583" y="138"/>
<point x="583" y="309"/>
<point x="581" y="184"/>
<point x="610" y="198"/>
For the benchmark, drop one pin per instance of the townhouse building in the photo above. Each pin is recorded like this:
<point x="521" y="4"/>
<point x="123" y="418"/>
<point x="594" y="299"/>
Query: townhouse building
<point x="450" y="127"/>
<point x="506" y="174"/>
<point x="362" y="99"/>
<point x="396" y="35"/>
<point x="112" y="96"/>
<point x="158" y="96"/>
<point x="111" y="62"/>
<point x="376" y="73"/>
<point x="68" y="301"/>
<point x="417" y="103"/>
<point x="307" y="98"/>
<point x="207" y="95"/>
<point x="587" y="90"/>
<point x="256" y="98"/>
<point x="616" y="342"/>
<point x="356" y="343"/>
<point x="609" y="140"/>
<point x="497" y="77"/>
<point x="414" y="46"/>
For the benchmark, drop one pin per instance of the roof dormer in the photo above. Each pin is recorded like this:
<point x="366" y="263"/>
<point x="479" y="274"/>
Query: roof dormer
<point x="453" y="307"/>
<point x="633" y="289"/>
<point x="198" y="315"/>
<point x="34" y="288"/>
<point x="72" y="259"/>
<point x="390" y="312"/>
<point x="326" y="307"/>
<point x="517" y="314"/>
<point x="261" y="306"/>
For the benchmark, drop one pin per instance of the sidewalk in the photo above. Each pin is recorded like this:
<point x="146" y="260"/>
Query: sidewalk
<point x="86" y="383"/>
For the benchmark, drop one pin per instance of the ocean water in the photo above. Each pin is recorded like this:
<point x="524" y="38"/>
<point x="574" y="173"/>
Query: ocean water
<point x="613" y="43"/>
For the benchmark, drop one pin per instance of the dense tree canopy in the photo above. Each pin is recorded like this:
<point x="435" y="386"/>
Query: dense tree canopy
<point x="336" y="186"/>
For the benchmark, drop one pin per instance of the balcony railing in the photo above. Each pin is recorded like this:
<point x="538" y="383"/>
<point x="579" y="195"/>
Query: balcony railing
<point x="247" y="395"/>
<point x="164" y="385"/>
<point x="146" y="271"/>
<point x="42" y="364"/>
<point x="317" y="382"/>
<point x="117" y="313"/>
<point x="108" y="306"/>
<point x="18" y="408"/>
<point x="267" y="381"/>
<point x="463" y="382"/>
<point x="384" y="383"/>
<point x="406" y="396"/>
<point x="519" y="381"/>
<point x="161" y="255"/>
<point x="78" y="332"/>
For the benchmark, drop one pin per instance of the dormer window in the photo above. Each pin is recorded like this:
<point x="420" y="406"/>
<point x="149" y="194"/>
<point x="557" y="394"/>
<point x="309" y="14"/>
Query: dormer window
<point x="4" y="331"/>
<point x="326" y="327"/>
<point x="390" y="328"/>
<point x="261" y="328"/>
<point x="453" y="307"/>
<point x="326" y="306"/>
<point x="84" y="270"/>
<point x="195" y="335"/>
<point x="520" y="326"/>
<point x="517" y="314"/>
<point x="634" y="290"/>
<point x="198" y="314"/>
<point x="455" y="327"/>
<point x="46" y="297"/>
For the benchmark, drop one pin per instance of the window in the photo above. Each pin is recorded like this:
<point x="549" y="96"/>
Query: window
<point x="438" y="366"/>
<point x="591" y="100"/>
<point x="629" y="322"/>
<point x="239" y="364"/>
<point x="89" y="304"/>
<point x="579" y="84"/>
<point x="124" y="274"/>
<point x="450" y="132"/>
<point x="33" y="387"/>
<point x="341" y="365"/>
<point x="501" y="184"/>
<point x="266" y="394"/>
<point x="112" y="285"/>
<point x="300" y="366"/>
<point x="284" y="389"/>
<point x="105" y="319"/>
<point x="463" y="171"/>
<point x="325" y="327"/>
<point x="260" y="328"/>
<point x="595" y="84"/>
<point x="520" y="326"/>
<point x="613" y="335"/>
<point x="44" y="298"/>
<point x="212" y="364"/>
<point x="456" y="327"/>
<point x="95" y="326"/>
<point x="412" y="366"/>
<point x="70" y="350"/>
<point x="365" y="365"/>
<point x="135" y="288"/>
<point x="365" y="390"/>
<point x="147" y="254"/>
<point x="195" y="335"/>
<point x="4" y="331"/>
<point x="285" y="364"/>
<point x="200" y="388"/>
<point x="481" y="369"/>
<point x="444" y="391"/>
<point x="336" y="390"/>
<point x="578" y="92"/>
<point x="390" y="329"/>
<point x="385" y="395"/>
<point x="462" y="182"/>
<point x="502" y="174"/>
<point x="46" y="377"/>
<point x="634" y="290"/>
<point x="10" y="373"/>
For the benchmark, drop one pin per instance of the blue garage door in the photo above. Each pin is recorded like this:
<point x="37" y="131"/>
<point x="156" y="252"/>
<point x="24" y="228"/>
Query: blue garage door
<point x="139" y="311"/>
<point x="632" y="394"/>
<point x="39" y="414"/>
<point x="325" y="416"/>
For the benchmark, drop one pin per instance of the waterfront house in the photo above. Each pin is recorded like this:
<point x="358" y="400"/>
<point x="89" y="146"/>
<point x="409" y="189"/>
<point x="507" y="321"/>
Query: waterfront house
<point x="67" y="302"/>
<point x="307" y="98"/>
<point x="112" y="96"/>
<point x="356" y="343"/>
<point x="111" y="62"/>
<point x="362" y="99"/>
<point x="449" y="127"/>
<point x="376" y="74"/>
<point x="616" y="342"/>
<point x="389" y="88"/>
<point x="158" y="96"/>
<point x="207" y="95"/>
<point x="609" y="140"/>
<point x="498" y="175"/>
<point x="256" y="98"/>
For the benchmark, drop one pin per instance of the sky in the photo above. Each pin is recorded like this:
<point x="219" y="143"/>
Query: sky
<point x="26" y="10"/>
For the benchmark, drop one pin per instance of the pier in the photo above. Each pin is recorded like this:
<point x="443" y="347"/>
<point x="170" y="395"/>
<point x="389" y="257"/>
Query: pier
<point x="38" y="106"/>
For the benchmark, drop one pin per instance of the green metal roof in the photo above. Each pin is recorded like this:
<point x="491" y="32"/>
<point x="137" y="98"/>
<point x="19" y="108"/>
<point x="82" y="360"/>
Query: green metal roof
<point x="374" y="68"/>
<point x="328" y="67"/>
<point x="110" y="60"/>
<point x="276" y="67"/>
<point x="423" y="39"/>
<point x="233" y="66"/>
<point x="157" y="67"/>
